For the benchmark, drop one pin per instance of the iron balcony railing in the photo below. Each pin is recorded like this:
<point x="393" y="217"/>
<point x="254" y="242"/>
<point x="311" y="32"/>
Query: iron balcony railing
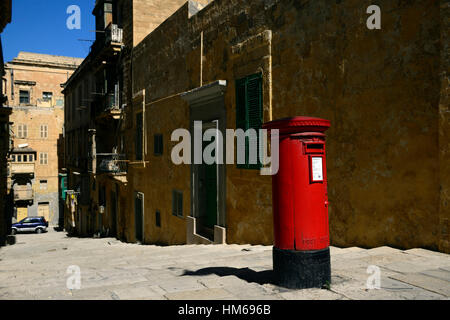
<point x="112" y="101"/>
<point x="111" y="163"/>
<point x="113" y="34"/>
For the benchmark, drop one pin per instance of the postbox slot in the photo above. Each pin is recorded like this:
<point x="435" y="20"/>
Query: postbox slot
<point x="314" y="148"/>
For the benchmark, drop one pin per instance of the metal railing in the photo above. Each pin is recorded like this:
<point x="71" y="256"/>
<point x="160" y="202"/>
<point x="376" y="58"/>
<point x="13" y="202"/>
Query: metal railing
<point x="112" y="101"/>
<point x="113" y="34"/>
<point x="111" y="163"/>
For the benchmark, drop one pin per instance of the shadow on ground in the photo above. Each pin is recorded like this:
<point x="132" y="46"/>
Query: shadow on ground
<point x="246" y="274"/>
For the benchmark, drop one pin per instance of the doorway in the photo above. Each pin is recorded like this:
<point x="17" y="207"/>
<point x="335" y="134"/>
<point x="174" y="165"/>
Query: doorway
<point x="22" y="213"/>
<point x="207" y="190"/>
<point x="139" y="216"/>
<point x="208" y="182"/>
<point x="44" y="210"/>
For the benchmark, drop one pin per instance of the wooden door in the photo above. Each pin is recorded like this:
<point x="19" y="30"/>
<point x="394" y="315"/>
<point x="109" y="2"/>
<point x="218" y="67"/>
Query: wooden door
<point x="22" y="213"/>
<point x="44" y="211"/>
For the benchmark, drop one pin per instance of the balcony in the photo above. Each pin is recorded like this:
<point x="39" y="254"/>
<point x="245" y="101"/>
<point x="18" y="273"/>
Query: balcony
<point x="113" y="34"/>
<point x="111" y="163"/>
<point x="22" y="168"/>
<point x="23" y="193"/>
<point x="108" y="43"/>
<point x="111" y="108"/>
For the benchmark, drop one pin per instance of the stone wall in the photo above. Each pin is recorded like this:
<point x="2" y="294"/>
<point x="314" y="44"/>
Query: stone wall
<point x="444" y="130"/>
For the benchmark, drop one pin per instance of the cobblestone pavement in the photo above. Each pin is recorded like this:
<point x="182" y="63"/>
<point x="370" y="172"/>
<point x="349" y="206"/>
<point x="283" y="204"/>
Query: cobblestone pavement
<point x="36" y="268"/>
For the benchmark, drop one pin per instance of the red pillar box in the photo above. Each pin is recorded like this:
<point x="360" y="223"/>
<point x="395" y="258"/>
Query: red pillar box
<point x="301" y="254"/>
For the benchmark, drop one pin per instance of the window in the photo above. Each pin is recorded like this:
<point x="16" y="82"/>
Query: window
<point x="44" y="131"/>
<point x="158" y="145"/>
<point x="60" y="102"/>
<point x="19" y="158"/>
<point x="22" y="131"/>
<point x="43" y="158"/>
<point x="24" y="96"/>
<point x="13" y="158"/>
<point x="43" y="184"/>
<point x="249" y="114"/>
<point x="47" y="96"/>
<point x="158" y="219"/>
<point x="177" y="203"/>
<point x="30" y="158"/>
<point x="25" y="158"/>
<point x="139" y="137"/>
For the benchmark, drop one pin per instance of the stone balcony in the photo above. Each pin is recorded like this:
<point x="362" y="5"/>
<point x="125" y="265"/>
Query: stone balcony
<point x="22" y="168"/>
<point x="24" y="193"/>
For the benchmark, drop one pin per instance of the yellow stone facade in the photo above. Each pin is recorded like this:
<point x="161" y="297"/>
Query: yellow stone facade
<point x="38" y="123"/>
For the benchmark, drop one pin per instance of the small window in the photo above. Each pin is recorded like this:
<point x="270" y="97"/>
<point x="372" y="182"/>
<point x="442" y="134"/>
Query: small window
<point x="31" y="158"/>
<point x="13" y="158"/>
<point x="24" y="96"/>
<point x="158" y="219"/>
<point x="158" y="145"/>
<point x="44" y="131"/>
<point x="43" y="184"/>
<point x="47" y="96"/>
<point x="25" y="158"/>
<point x="22" y="131"/>
<point x="177" y="203"/>
<point x="43" y="158"/>
<point x="19" y="158"/>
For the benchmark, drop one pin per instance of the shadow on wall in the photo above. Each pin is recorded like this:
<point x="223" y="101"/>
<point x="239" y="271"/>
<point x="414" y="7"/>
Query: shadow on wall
<point x="246" y="274"/>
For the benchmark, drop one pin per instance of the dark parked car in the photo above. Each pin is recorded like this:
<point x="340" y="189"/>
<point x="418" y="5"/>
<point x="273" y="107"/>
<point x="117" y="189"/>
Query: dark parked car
<point x="30" y="224"/>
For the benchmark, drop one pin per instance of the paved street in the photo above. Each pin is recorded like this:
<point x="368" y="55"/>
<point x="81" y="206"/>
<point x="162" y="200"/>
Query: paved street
<point x="35" y="268"/>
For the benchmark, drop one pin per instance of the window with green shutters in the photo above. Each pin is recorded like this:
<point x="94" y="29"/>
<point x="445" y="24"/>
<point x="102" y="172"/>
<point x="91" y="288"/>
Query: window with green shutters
<point x="249" y="114"/>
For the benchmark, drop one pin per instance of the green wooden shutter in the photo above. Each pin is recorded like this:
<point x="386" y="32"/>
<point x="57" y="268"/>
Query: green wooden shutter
<point x="254" y="112"/>
<point x="241" y="110"/>
<point x="249" y="113"/>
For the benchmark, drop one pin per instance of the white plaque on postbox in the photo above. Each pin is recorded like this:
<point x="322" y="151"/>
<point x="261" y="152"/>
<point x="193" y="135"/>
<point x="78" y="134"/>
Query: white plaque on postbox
<point x="317" y="169"/>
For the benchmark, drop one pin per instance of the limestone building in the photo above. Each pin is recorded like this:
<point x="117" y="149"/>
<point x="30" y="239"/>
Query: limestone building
<point x="33" y="87"/>
<point x="385" y="92"/>
<point x="95" y="97"/>
<point x="5" y="218"/>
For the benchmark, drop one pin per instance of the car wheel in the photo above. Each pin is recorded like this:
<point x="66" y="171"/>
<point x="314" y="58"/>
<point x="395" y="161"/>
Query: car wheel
<point x="38" y="230"/>
<point x="13" y="231"/>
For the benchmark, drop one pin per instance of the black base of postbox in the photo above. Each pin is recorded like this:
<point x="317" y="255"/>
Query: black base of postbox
<point x="302" y="269"/>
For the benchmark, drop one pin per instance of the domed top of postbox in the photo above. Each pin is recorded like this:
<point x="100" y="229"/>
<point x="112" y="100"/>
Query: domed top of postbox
<point x="298" y="125"/>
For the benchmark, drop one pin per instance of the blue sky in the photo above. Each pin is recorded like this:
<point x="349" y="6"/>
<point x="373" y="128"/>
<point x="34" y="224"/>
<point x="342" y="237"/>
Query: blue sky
<point x="40" y="26"/>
